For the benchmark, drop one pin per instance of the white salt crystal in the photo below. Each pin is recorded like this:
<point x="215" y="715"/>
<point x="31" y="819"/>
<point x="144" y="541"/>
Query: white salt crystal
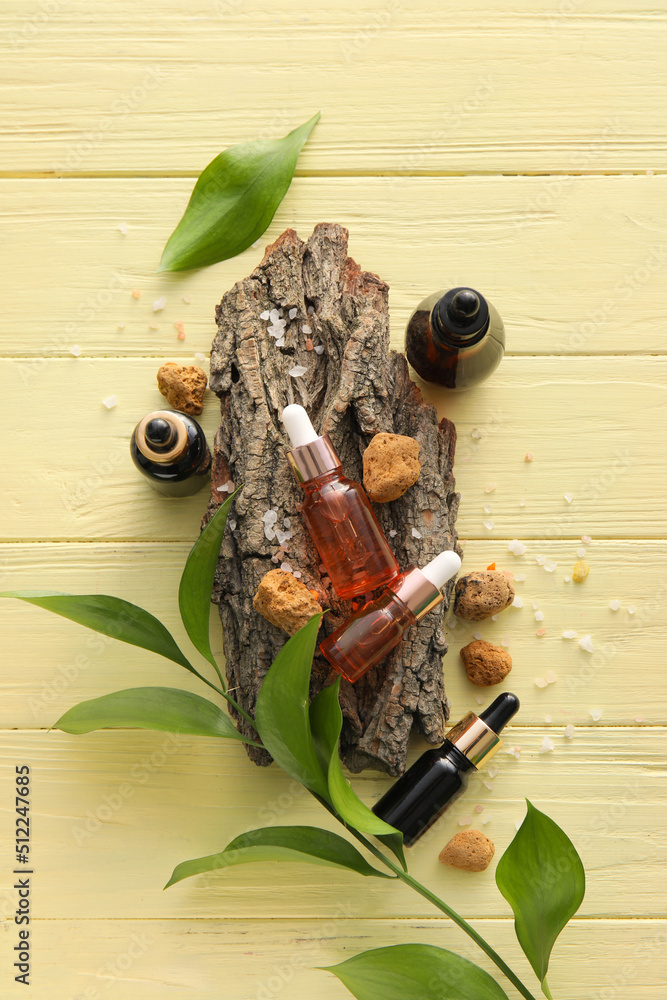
<point x="479" y="699"/>
<point x="547" y="719"/>
<point x="586" y="643"/>
<point x="547" y="745"/>
<point x="285" y="567"/>
<point x="569" y="497"/>
<point x="550" y="677"/>
<point x="393" y="533"/>
<point x="110" y="402"/>
<point x="492" y="771"/>
<point x="490" y="487"/>
<point x="516" y="547"/>
<point x="569" y="633"/>
<point x="280" y="342"/>
<point x="567" y="579"/>
<point x="550" y="565"/>
<point x="282" y="536"/>
<point x="540" y="682"/>
<point x="465" y="821"/>
<point x="522" y="503"/>
<point x="274" y="315"/>
<point x="639" y="718"/>
<point x="476" y="433"/>
<point x="568" y="732"/>
<point x="287" y="522"/>
<point x="586" y="539"/>
<point x="269" y="532"/>
<point x="539" y="616"/>
<point x="631" y="609"/>
<point x="232" y="524"/>
<point x="505" y="639"/>
<point x="221" y="489"/>
<point x="306" y="329"/>
<point x="489" y="525"/>
<point x="292" y="313"/>
<point x="477" y="635"/>
<point x="479" y="809"/>
<point x="187" y="299"/>
<point x="319" y="349"/>
<point x="614" y="605"/>
<point x="486" y="819"/>
<point x="535" y="605"/>
<point x="494" y="618"/>
<point x="297" y="574"/>
<point x="122" y="228"/>
<point x="595" y="714"/>
<point x="514" y="752"/>
<point x="270" y="517"/>
<point x="121" y="326"/>
<point x="540" y="560"/>
<point x="520" y="578"/>
<point x="415" y="533"/>
<point x="265" y="315"/>
<point x="310" y="310"/>
<point x="489" y="785"/>
<point x="199" y="356"/>
<point x="297" y="371"/>
<point x="488" y="509"/>
<point x="75" y="350"/>
<point x="159" y="304"/>
<point x="581" y="552"/>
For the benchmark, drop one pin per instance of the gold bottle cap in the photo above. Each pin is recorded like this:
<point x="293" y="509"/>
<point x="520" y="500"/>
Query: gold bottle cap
<point x="474" y="739"/>
<point x="416" y="591"/>
<point x="308" y="461"/>
<point x="174" y="445"/>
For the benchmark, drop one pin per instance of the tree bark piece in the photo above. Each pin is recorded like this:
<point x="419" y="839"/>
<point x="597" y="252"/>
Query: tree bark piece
<point x="352" y="390"/>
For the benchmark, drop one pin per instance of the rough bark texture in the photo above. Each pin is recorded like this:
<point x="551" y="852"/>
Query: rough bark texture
<point x="356" y="388"/>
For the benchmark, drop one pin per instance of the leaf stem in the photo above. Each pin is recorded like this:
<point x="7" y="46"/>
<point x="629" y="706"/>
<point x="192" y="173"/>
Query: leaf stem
<point x="228" y="698"/>
<point x="452" y="914"/>
<point x="546" y="990"/>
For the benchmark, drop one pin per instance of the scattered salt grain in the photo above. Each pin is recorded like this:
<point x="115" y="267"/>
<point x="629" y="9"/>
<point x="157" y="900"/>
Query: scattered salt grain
<point x="285" y="567"/>
<point x="489" y="785"/>
<point x="586" y="643"/>
<point x="535" y="605"/>
<point x="486" y="819"/>
<point x="393" y="533"/>
<point x="488" y="509"/>
<point x="567" y="579"/>
<point x="540" y="560"/>
<point x="479" y="809"/>
<point x="581" y="552"/>
<point x="159" y="304"/>
<point x="297" y="371"/>
<point x="550" y="566"/>
<point x="180" y="328"/>
<point x="187" y="299"/>
<point x="540" y="632"/>
<point x="492" y="770"/>
<point x="477" y="635"/>
<point x="297" y="574"/>
<point x="517" y="602"/>
<point x="614" y="605"/>
<point x="505" y="639"/>
<point x="122" y="228"/>
<point x="287" y="522"/>
<point x="476" y="433"/>
<point x="631" y="609"/>
<point x="479" y="699"/>
<point x="465" y="821"/>
<point x="528" y="457"/>
<point x="547" y="719"/>
<point x="569" y="497"/>
<point x="516" y="547"/>
<point x="309" y="344"/>
<point x="550" y="677"/>
<point x="274" y="315"/>
<point x="547" y="745"/>
<point x="568" y="732"/>
<point x="153" y="326"/>
<point x="306" y="329"/>
<point x="319" y="349"/>
<point x="522" y="503"/>
<point x="310" y="310"/>
<point x="595" y="714"/>
<point x="490" y="487"/>
<point x="264" y="315"/>
<point x="494" y="618"/>
<point x="199" y="356"/>
<point x="539" y="616"/>
<point x="121" y="326"/>
<point x="280" y="342"/>
<point x="135" y="293"/>
<point x="270" y="517"/>
<point x="520" y="578"/>
<point x="110" y="402"/>
<point x="514" y="752"/>
<point x="639" y="718"/>
<point x="232" y="524"/>
<point x="586" y="539"/>
<point x="540" y="682"/>
<point x="269" y="532"/>
<point x="75" y="350"/>
<point x="569" y="633"/>
<point x="489" y="525"/>
<point x="415" y="533"/>
<point x="292" y="313"/>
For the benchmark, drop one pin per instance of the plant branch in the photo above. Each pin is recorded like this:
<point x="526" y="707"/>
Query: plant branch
<point x="452" y="914"/>
<point x="227" y="697"/>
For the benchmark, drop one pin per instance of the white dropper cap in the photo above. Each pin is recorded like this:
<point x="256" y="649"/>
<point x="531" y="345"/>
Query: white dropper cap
<point x="442" y="568"/>
<point x="298" y="426"/>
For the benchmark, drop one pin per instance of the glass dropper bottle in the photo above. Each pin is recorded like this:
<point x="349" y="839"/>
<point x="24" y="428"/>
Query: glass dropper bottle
<point x="438" y="777"/>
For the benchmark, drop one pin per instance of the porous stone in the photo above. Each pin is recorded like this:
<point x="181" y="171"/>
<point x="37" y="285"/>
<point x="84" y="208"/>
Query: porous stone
<point x="469" y="850"/>
<point x="482" y="593"/>
<point x="484" y="663"/>
<point x="391" y="466"/>
<point x="184" y="386"/>
<point x="285" y="601"/>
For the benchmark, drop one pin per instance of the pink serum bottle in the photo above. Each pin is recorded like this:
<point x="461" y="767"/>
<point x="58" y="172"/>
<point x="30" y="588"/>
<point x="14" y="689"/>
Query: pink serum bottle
<point x="366" y="638"/>
<point x="337" y="512"/>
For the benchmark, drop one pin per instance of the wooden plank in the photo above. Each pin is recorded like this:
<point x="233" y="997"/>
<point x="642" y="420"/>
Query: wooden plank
<point x="56" y="663"/>
<point x="584" y="420"/>
<point x="263" y="959"/>
<point x="114" y="812"/>
<point x="553" y="87"/>
<point x="575" y="265"/>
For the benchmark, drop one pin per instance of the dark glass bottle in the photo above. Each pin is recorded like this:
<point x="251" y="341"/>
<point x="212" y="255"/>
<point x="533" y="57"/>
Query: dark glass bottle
<point x="438" y="777"/>
<point x="455" y="339"/>
<point x="169" y="448"/>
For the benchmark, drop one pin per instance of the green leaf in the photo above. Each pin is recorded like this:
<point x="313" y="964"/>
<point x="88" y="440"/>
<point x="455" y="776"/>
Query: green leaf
<point x="304" y="844"/>
<point x="415" y="972"/>
<point x="165" y="709"/>
<point x="234" y="200"/>
<point x="281" y="713"/>
<point x="111" y="616"/>
<point x="326" y="720"/>
<point x="542" y="878"/>
<point x="168" y="710"/>
<point x="194" y="592"/>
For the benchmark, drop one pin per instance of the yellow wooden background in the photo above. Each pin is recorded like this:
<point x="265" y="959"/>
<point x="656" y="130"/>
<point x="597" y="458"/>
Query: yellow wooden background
<point x="518" y="149"/>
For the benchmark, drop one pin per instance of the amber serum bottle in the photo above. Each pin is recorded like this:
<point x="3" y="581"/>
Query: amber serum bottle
<point x="438" y="777"/>
<point x="337" y="512"/>
<point x="455" y="338"/>
<point x="366" y="638"/>
<point x="169" y="448"/>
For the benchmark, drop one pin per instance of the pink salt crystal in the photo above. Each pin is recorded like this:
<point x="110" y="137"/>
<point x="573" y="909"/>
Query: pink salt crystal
<point x="136" y="294"/>
<point x="479" y="809"/>
<point x="541" y="632"/>
<point x="639" y="718"/>
<point x="465" y="821"/>
<point x="528" y="457"/>
<point x="187" y="300"/>
<point x="309" y="344"/>
<point x="490" y="487"/>
<point x="121" y="326"/>
<point x="180" y="335"/>
<point x="179" y="327"/>
<point x="586" y="539"/>
<point x="153" y="326"/>
<point x="540" y="682"/>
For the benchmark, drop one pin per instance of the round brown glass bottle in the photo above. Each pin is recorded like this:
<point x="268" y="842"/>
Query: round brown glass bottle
<point x="455" y="339"/>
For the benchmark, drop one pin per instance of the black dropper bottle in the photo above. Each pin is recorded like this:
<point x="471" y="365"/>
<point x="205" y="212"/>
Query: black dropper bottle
<point x="169" y="448"/>
<point x="434" y="781"/>
<point x="455" y="338"/>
